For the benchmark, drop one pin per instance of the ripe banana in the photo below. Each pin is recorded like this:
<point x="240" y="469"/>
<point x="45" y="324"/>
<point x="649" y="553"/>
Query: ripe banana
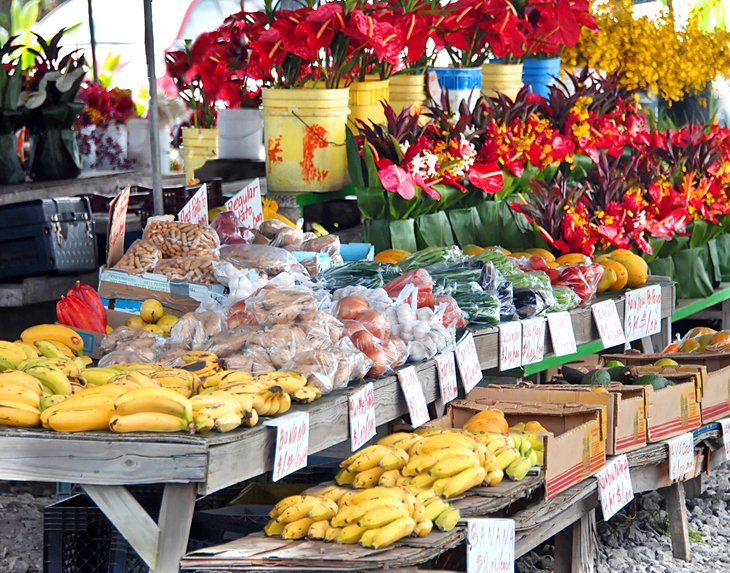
<point x="347" y="515"/>
<point x="19" y="393"/>
<point x="394" y="460"/>
<point x="423" y="528"/>
<point x="332" y="533"/>
<point x="148" y="422"/>
<point x="66" y="365"/>
<point x="297" y="529"/>
<point x="422" y="481"/>
<point x="326" y="509"/>
<point x="389" y="478"/>
<point x="199" y="356"/>
<point x="306" y="395"/>
<point x="506" y="456"/>
<point x="345" y="477"/>
<point x="417" y="464"/>
<point x="285" y="503"/>
<point x="393" y="531"/>
<point x="19" y="378"/>
<point x="299" y="509"/>
<point x="18" y="414"/>
<point x="350" y="534"/>
<point x="99" y="376"/>
<point x="227" y="422"/>
<point x="290" y="382"/>
<point x="80" y="420"/>
<point x="55" y="333"/>
<point x="318" y="529"/>
<point x="49" y="349"/>
<point x="29" y="349"/>
<point x="333" y="492"/>
<point x="366" y="458"/>
<point x="203" y="422"/>
<point x="401" y="440"/>
<point x="53" y="380"/>
<point x="518" y="469"/>
<point x="452" y="466"/>
<point x="435" y="508"/>
<point x="48" y="400"/>
<point x="383" y="516"/>
<point x="12" y="353"/>
<point x="494" y="478"/>
<point x="160" y="400"/>
<point x="367" y="478"/>
<point x="448" y="519"/>
<point x="367" y="538"/>
<point x="273" y="528"/>
<point x="464" y="481"/>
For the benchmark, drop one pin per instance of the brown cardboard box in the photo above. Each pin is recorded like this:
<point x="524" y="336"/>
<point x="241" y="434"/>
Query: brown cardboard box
<point x="623" y="419"/>
<point x="574" y="445"/>
<point x="92" y="340"/>
<point x="715" y="385"/>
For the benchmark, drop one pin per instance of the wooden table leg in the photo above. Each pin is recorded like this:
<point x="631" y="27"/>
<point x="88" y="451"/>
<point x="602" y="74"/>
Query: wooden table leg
<point x="176" y="517"/>
<point x="575" y="546"/>
<point x="678" y="525"/>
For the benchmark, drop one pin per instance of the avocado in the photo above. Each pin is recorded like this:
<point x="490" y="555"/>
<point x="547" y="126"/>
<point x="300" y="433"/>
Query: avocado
<point x="655" y="381"/>
<point x="597" y="377"/>
<point x="619" y="374"/>
<point x="614" y="363"/>
<point x="572" y="375"/>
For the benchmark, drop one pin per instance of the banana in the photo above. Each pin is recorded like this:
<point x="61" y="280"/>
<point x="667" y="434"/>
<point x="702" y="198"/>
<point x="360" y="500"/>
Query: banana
<point x="55" y="381"/>
<point x="398" y="437"/>
<point x="464" y="481"/>
<point x="18" y="414"/>
<point x="199" y="356"/>
<point x="48" y="400"/>
<point x="332" y="533"/>
<point x="80" y="420"/>
<point x="203" y="422"/>
<point x="250" y="418"/>
<point x="227" y="422"/>
<point x="12" y="353"/>
<point x="297" y="529"/>
<point x="367" y="538"/>
<point x="367" y="478"/>
<point x="66" y="365"/>
<point x="494" y="478"/>
<point x="378" y="492"/>
<point x="318" y="529"/>
<point x="389" y="478"/>
<point x="6" y="364"/>
<point x="452" y="466"/>
<point x="273" y="528"/>
<point x="55" y="333"/>
<point x="347" y="515"/>
<point x="394" y="460"/>
<point x="78" y="403"/>
<point x="344" y="477"/>
<point x="423" y="528"/>
<point x="518" y="469"/>
<point x="99" y="376"/>
<point x="290" y="382"/>
<point x="344" y="501"/>
<point x="18" y="393"/>
<point x="285" y="503"/>
<point x="436" y="508"/>
<point x="506" y="456"/>
<point x="271" y="405"/>
<point x="160" y="400"/>
<point x="439" y="485"/>
<point x="29" y="349"/>
<point x="202" y="369"/>
<point x="333" y="492"/>
<point x="533" y="458"/>
<point x="393" y="531"/>
<point x="299" y="509"/>
<point x="86" y="361"/>
<point x="146" y="368"/>
<point x="48" y="349"/>
<point x="383" y="516"/>
<point x="112" y="391"/>
<point x="229" y="377"/>
<point x="306" y="395"/>
<point x="422" y="481"/>
<point x="11" y="378"/>
<point x="350" y="534"/>
<point x="417" y="464"/>
<point x="325" y="510"/>
<point x="367" y="458"/>
<point x="27" y="363"/>
<point x="448" y="519"/>
<point x="148" y="422"/>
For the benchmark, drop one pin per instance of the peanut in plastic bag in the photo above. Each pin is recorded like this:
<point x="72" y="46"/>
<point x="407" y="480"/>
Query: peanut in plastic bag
<point x="141" y="257"/>
<point x="175" y="239"/>
<point x="192" y="269"/>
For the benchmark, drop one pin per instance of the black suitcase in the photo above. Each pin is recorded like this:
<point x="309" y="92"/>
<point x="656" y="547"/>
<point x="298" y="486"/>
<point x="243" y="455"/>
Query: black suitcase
<point x="47" y="236"/>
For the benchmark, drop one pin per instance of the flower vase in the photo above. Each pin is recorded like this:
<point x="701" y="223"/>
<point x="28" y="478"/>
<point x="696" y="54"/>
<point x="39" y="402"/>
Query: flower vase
<point x="138" y="145"/>
<point x="241" y="134"/>
<point x="365" y="102"/>
<point x="407" y="90"/>
<point x="199" y="145"/>
<point x="304" y="134"/>
<point x="501" y="78"/>
<point x="540" y="74"/>
<point x="462" y="84"/>
<point x="54" y="153"/>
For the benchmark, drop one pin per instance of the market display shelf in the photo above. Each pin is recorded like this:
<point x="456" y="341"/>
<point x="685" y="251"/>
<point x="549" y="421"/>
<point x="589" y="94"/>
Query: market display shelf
<point x="691" y="306"/>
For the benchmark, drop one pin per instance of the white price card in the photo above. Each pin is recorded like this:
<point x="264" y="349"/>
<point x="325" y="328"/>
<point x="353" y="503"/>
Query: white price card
<point x="416" y="400"/>
<point x="533" y="340"/>
<point x="562" y="334"/>
<point x="725" y="424"/>
<point x="510" y="345"/>
<point x="117" y="226"/>
<point x="246" y="204"/>
<point x="614" y="486"/>
<point x="654" y="303"/>
<point x="643" y="312"/>
<point x="609" y="324"/>
<point x="469" y="367"/>
<point x="490" y="546"/>
<point x="361" y="404"/>
<point x="292" y="443"/>
<point x="681" y="457"/>
<point x="196" y="210"/>
<point x="446" y="364"/>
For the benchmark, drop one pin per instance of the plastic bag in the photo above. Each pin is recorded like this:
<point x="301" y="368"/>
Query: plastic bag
<point x="420" y="278"/>
<point x="230" y="231"/>
<point x="265" y="258"/>
<point x="192" y="269"/>
<point x="377" y="298"/>
<point x="241" y="283"/>
<point x="327" y="244"/>
<point x="254" y="361"/>
<point x="530" y="302"/>
<point x="583" y="280"/>
<point x="452" y="315"/>
<point x="566" y="299"/>
<point x="270" y="306"/>
<point x="271" y="227"/>
<point x="122" y="357"/>
<point x="194" y="329"/>
<point x="141" y="257"/>
<point x="136" y="340"/>
<point x="319" y="366"/>
<point x="175" y="239"/>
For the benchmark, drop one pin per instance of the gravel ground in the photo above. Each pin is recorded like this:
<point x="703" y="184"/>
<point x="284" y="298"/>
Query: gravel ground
<point x="21" y="530"/>
<point x="636" y="540"/>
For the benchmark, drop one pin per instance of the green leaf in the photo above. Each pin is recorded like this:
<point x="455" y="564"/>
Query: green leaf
<point x="29" y="14"/>
<point x="354" y="163"/>
<point x="371" y="167"/>
<point x="371" y="202"/>
<point x="12" y="91"/>
<point x="3" y="84"/>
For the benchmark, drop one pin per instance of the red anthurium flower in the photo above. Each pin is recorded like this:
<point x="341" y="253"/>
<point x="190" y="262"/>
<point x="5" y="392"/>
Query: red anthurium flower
<point x="487" y="177"/>
<point x="414" y="31"/>
<point x="396" y="180"/>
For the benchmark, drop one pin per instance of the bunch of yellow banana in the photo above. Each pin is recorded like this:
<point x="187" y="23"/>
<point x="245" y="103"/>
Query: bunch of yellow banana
<point x="134" y="379"/>
<point x="65" y="339"/>
<point x="365" y="468"/>
<point x="267" y="399"/>
<point x="98" y="376"/>
<point x="151" y="409"/>
<point x="146" y="368"/>
<point x="443" y="515"/>
<point x="224" y="378"/>
<point x="222" y="411"/>
<point x="20" y="395"/>
<point x="536" y="442"/>
<point x="201" y="363"/>
<point x="513" y="456"/>
<point x="295" y="516"/>
<point x="182" y="381"/>
<point x="89" y="409"/>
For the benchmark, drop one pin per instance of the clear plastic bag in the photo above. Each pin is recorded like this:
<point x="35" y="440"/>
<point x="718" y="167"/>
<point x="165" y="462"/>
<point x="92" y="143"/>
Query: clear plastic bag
<point x="192" y="269"/>
<point x="271" y="306"/>
<point x="327" y="244"/>
<point x="141" y="257"/>
<point x="271" y="227"/>
<point x="122" y="357"/>
<point x="194" y="329"/>
<point x="319" y="366"/>
<point x="268" y="259"/>
<point x="175" y="239"/>
<point x="230" y="231"/>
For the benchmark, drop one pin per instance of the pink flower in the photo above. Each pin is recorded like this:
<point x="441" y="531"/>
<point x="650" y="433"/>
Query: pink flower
<point x="396" y="179"/>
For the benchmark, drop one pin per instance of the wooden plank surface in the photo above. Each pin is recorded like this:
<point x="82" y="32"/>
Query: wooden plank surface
<point x="176" y="516"/>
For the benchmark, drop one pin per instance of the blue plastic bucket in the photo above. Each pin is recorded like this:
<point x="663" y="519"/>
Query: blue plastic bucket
<point x="539" y="75"/>
<point x="462" y="84"/>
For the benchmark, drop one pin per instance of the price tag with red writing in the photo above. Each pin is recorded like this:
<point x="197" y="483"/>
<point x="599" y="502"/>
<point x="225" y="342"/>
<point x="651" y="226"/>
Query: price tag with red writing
<point x="614" y="486"/>
<point x="415" y="398"/>
<point x="447" y="376"/>
<point x="362" y="416"/>
<point x="533" y="340"/>
<point x="117" y="226"/>
<point x="681" y="457"/>
<point x="490" y="546"/>
<point x="654" y="304"/>
<point x="725" y="423"/>
<point x="562" y="334"/>
<point x="643" y="314"/>
<point x="292" y="443"/>
<point x="196" y="210"/>
<point x="609" y="324"/>
<point x="246" y="204"/>
<point x="510" y="345"/>
<point x="469" y="367"/>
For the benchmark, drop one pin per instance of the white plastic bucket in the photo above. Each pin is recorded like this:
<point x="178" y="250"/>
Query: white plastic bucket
<point x="241" y="134"/>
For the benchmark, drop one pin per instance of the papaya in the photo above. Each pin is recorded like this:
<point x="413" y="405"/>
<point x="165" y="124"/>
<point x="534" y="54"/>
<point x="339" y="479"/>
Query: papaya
<point x="544" y="253"/>
<point x="392" y="256"/>
<point x="608" y="279"/>
<point x="473" y="250"/>
<point x="699" y="331"/>
<point x="574" y="259"/>
<point x="636" y="267"/>
<point x="488" y="421"/>
<point x="622" y="275"/>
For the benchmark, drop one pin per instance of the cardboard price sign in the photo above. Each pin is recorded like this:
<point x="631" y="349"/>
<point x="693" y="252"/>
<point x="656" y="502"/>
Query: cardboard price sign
<point x="510" y="345"/>
<point x="446" y="364"/>
<point x="681" y="457"/>
<point x="614" y="486"/>
<point x="292" y="443"/>
<point x="470" y="368"/>
<point x="490" y="546"/>
<point x="117" y="226"/>
<point x="725" y="423"/>
<point x="196" y="210"/>
<point x="609" y="324"/>
<point x="643" y="312"/>
<point x="246" y="204"/>
<point x="562" y="334"/>
<point x="533" y="340"/>
<point x="362" y="416"/>
<point x="415" y="398"/>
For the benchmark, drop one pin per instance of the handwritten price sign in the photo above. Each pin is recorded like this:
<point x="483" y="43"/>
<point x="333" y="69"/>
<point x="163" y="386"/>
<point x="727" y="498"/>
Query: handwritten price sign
<point x="681" y="456"/>
<point x="117" y="226"/>
<point x="609" y="324"/>
<point x="614" y="486"/>
<point x="643" y="312"/>
<point x="510" y="345"/>
<point x="469" y="367"/>
<point x="490" y="546"/>
<point x="533" y="340"/>
<point x="413" y="392"/>
<point x="725" y="423"/>
<point x="562" y="333"/>
<point x="246" y="204"/>
<point x="362" y="416"/>
<point x="196" y="210"/>
<point x="292" y="443"/>
<point x="446" y="365"/>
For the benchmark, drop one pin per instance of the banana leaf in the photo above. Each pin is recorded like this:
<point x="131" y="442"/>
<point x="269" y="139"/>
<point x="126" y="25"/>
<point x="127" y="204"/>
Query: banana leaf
<point x="693" y="272"/>
<point x="488" y="231"/>
<point x="403" y="235"/>
<point x="722" y="246"/>
<point x="54" y="153"/>
<point x="464" y="225"/>
<point x="715" y="273"/>
<point x="433" y="231"/>
<point x="663" y="267"/>
<point x="517" y="232"/>
<point x="377" y="233"/>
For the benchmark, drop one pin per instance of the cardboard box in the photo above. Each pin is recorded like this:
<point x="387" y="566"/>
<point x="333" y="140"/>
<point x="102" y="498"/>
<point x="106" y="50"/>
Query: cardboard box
<point x="574" y="447"/>
<point x="92" y="340"/>
<point x="623" y="416"/>
<point x="715" y="385"/>
<point x="180" y="297"/>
